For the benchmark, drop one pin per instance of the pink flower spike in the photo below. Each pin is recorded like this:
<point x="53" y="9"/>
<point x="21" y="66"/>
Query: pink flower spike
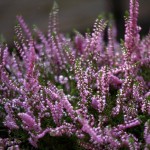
<point x="27" y="120"/>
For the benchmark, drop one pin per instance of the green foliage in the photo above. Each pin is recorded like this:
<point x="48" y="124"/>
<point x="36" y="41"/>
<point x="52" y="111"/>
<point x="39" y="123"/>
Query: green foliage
<point x="59" y="143"/>
<point x="145" y="73"/>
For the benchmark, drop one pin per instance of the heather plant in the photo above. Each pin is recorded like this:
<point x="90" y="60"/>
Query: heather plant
<point x="76" y="93"/>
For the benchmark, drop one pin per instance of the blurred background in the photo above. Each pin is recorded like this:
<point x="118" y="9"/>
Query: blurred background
<point x="74" y="14"/>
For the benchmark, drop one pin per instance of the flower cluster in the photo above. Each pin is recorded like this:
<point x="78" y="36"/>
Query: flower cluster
<point x="83" y="87"/>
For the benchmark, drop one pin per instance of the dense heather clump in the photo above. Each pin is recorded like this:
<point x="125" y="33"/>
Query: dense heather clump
<point x="92" y="93"/>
